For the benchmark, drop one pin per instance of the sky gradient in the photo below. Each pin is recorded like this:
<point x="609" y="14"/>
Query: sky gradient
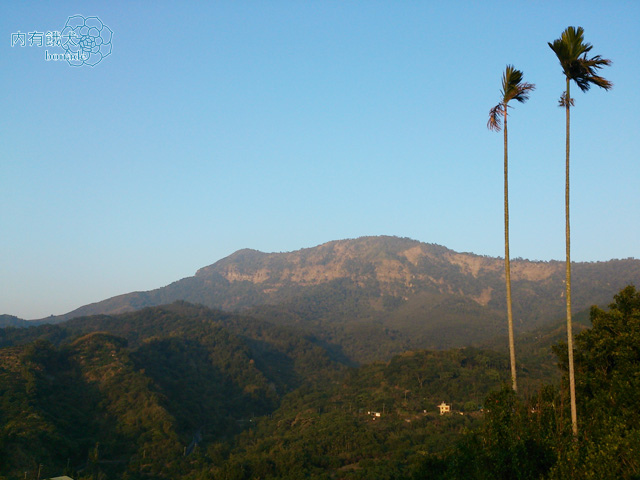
<point x="286" y="124"/>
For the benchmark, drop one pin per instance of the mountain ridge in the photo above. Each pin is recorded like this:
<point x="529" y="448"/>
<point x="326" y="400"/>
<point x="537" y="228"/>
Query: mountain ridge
<point x="421" y="290"/>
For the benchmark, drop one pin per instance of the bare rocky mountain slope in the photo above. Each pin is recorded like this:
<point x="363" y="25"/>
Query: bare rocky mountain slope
<point x="445" y="297"/>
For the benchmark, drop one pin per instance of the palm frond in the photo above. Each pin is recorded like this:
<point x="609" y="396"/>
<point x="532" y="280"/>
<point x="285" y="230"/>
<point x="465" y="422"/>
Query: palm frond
<point x="570" y="46"/>
<point x="564" y="100"/>
<point x="590" y="67"/>
<point x="571" y="51"/>
<point x="513" y="88"/>
<point x="523" y="91"/>
<point x="495" y="118"/>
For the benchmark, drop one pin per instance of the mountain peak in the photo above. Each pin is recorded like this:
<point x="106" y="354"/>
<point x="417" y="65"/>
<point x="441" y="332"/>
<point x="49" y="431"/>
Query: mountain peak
<point x="245" y="256"/>
<point x="382" y="259"/>
<point x="382" y="279"/>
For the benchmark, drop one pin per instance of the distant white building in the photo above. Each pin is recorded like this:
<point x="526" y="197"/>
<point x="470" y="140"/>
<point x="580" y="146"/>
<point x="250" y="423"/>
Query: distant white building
<point x="374" y="415"/>
<point x="444" y="408"/>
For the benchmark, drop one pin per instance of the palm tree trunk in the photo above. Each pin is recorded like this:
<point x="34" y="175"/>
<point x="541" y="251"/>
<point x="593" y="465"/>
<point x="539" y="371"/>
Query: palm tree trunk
<point x="572" y="381"/>
<point x="507" y="266"/>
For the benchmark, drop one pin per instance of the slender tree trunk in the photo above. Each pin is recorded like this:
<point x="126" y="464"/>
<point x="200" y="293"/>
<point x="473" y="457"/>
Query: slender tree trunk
<point x="507" y="266"/>
<point x="572" y="381"/>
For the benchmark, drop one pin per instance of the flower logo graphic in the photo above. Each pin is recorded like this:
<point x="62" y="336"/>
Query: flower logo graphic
<point x="86" y="41"/>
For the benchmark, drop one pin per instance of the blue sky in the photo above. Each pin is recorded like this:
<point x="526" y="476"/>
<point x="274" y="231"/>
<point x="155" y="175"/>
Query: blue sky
<point x="216" y="126"/>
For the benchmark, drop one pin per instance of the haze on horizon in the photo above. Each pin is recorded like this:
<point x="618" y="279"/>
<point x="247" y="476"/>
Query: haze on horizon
<point x="280" y="126"/>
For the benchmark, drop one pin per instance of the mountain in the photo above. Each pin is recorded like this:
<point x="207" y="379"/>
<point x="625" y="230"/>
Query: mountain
<point x="128" y="394"/>
<point x="13" y="321"/>
<point x="390" y="293"/>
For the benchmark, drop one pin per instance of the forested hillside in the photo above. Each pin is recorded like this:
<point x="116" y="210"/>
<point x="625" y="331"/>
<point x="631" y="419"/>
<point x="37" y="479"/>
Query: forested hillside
<point x="130" y="393"/>
<point x="13" y="321"/>
<point x="182" y="391"/>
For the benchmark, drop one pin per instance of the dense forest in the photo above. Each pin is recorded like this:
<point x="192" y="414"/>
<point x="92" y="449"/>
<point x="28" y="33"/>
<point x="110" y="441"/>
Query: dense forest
<point x="183" y="391"/>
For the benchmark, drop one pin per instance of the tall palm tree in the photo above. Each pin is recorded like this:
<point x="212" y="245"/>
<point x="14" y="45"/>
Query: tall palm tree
<point x="572" y="51"/>
<point x="513" y="88"/>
